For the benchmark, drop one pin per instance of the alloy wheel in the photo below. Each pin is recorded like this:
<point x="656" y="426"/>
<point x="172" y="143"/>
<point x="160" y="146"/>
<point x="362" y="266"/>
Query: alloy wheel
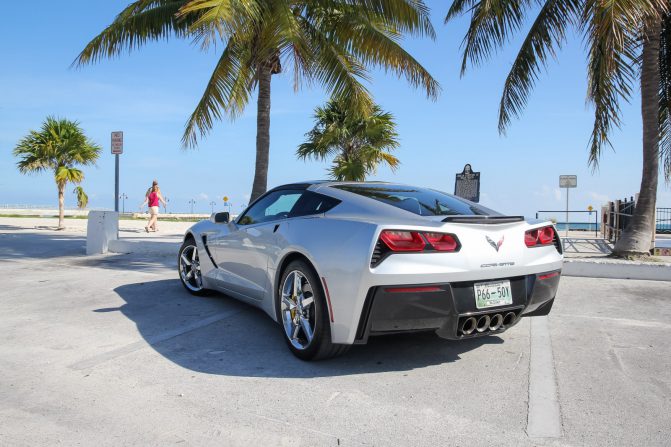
<point x="298" y="310"/>
<point x="189" y="268"/>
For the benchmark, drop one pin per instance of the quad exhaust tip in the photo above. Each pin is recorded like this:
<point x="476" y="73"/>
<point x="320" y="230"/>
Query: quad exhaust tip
<point x="468" y="326"/>
<point x="483" y="323"/>
<point x="496" y="322"/>
<point x="509" y="318"/>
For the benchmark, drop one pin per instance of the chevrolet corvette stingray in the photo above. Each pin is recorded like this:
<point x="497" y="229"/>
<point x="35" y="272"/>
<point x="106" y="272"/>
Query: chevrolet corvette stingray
<point x="337" y="262"/>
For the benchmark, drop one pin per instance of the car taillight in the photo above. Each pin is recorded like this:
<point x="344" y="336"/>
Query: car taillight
<point x="539" y="236"/>
<point x="442" y="241"/>
<point x="403" y="240"/>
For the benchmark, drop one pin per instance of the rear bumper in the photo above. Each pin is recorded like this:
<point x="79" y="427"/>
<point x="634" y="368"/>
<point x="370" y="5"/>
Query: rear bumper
<point x="445" y="307"/>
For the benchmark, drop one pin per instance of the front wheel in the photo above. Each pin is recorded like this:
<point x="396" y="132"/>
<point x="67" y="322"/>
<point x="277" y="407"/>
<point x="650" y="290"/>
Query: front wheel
<point x="304" y="315"/>
<point x="188" y="264"/>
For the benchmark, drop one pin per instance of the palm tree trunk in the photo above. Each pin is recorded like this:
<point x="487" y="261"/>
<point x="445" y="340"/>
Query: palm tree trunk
<point x="262" y="132"/>
<point x="61" y="205"/>
<point x="636" y="238"/>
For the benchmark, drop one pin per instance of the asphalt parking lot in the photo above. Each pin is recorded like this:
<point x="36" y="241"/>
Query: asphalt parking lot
<point x="110" y="350"/>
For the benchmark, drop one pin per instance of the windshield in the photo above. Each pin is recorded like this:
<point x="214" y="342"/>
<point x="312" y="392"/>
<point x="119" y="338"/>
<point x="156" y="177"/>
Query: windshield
<point x="420" y="201"/>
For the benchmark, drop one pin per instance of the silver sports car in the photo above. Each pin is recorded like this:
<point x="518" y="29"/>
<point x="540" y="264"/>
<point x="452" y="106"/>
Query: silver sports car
<point x="337" y="262"/>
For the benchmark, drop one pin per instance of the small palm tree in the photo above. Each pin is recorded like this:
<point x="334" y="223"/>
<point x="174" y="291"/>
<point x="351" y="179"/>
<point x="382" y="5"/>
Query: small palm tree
<point x="330" y="43"/>
<point x="358" y="142"/>
<point x="58" y="146"/>
<point x="82" y="198"/>
<point x="623" y="43"/>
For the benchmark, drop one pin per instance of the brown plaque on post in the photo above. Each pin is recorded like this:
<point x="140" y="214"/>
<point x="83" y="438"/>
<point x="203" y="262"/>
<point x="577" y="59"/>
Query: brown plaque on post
<point x="467" y="184"/>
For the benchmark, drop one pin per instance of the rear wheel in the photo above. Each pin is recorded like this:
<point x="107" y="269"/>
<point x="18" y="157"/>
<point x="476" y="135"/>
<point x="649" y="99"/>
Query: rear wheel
<point x="304" y="315"/>
<point x="188" y="265"/>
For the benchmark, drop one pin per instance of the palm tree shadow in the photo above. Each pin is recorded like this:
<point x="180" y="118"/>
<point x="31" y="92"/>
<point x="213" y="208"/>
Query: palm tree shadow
<point x="240" y="340"/>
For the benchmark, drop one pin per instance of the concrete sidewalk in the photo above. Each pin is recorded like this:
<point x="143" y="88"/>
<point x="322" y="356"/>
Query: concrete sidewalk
<point x="110" y="350"/>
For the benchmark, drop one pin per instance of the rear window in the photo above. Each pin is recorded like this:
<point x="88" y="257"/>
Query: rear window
<point x="420" y="201"/>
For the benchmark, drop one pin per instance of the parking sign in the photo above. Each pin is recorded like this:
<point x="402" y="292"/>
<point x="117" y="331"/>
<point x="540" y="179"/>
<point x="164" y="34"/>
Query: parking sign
<point x="117" y="143"/>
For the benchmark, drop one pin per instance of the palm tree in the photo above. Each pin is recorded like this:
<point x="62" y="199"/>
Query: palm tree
<point x="623" y="40"/>
<point x="359" y="142"/>
<point x="82" y="198"/>
<point x="58" y="146"/>
<point x="332" y="43"/>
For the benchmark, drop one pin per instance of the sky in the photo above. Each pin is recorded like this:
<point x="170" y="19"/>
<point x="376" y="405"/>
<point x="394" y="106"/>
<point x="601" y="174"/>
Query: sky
<point x="149" y="95"/>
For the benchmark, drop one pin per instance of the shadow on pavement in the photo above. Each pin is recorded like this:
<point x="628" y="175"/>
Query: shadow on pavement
<point x="50" y="245"/>
<point x="133" y="262"/>
<point x="39" y="244"/>
<point x="244" y="341"/>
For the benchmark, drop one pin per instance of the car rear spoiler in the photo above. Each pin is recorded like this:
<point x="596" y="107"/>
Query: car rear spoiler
<point x="487" y="220"/>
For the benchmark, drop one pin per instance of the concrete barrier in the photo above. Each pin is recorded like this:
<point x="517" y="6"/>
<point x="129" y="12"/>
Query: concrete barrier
<point x="617" y="269"/>
<point x="102" y="227"/>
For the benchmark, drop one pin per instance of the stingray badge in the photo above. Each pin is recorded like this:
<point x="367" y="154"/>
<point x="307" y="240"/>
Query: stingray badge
<point x="496" y="245"/>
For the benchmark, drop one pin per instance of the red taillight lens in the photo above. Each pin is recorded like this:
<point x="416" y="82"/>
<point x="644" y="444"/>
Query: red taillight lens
<point x="403" y="240"/>
<point x="545" y="235"/>
<point x="531" y="238"/>
<point x="442" y="242"/>
<point x="539" y="236"/>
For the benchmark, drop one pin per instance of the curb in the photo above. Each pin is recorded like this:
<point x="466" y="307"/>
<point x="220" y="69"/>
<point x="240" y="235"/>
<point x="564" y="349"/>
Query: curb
<point x="617" y="270"/>
<point x="145" y="247"/>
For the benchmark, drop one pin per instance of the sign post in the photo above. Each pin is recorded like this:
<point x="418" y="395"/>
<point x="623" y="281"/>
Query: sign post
<point x="226" y="204"/>
<point x="568" y="181"/>
<point x="467" y="184"/>
<point x="117" y="149"/>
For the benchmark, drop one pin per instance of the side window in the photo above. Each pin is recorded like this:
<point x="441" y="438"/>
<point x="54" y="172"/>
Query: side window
<point x="312" y="203"/>
<point x="274" y="206"/>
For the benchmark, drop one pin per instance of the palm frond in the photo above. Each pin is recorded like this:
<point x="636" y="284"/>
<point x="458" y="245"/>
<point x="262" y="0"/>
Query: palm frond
<point x="492" y="22"/>
<point x="227" y="92"/>
<point x="613" y="45"/>
<point x="547" y="33"/>
<point x="665" y="97"/>
<point x="140" y="22"/>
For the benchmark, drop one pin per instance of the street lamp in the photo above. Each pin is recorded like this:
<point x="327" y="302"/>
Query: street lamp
<point x="192" y="203"/>
<point x="212" y="203"/>
<point x="166" y="204"/>
<point x="123" y="198"/>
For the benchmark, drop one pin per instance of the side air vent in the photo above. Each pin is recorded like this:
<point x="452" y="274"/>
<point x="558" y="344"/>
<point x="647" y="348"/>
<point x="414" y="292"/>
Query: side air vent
<point x="556" y="240"/>
<point x="378" y="253"/>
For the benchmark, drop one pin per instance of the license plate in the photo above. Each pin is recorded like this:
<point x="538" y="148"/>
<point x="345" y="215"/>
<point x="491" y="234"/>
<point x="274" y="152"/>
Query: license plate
<point x="493" y="293"/>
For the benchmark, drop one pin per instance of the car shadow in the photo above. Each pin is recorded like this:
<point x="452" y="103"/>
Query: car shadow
<point x="219" y="335"/>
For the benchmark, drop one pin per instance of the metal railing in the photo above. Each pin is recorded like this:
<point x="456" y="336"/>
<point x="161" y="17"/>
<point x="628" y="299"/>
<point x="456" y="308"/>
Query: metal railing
<point x="586" y="225"/>
<point x="663" y="221"/>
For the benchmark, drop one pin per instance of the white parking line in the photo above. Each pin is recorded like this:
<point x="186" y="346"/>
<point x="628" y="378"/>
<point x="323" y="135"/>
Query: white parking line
<point x="150" y="341"/>
<point x="544" y="418"/>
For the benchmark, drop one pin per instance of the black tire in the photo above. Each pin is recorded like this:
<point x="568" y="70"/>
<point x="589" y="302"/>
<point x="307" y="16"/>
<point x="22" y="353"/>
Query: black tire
<point x="320" y="347"/>
<point x="193" y="286"/>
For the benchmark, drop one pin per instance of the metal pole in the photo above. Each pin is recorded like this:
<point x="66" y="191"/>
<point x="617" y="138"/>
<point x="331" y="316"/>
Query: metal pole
<point x="116" y="182"/>
<point x="567" y="212"/>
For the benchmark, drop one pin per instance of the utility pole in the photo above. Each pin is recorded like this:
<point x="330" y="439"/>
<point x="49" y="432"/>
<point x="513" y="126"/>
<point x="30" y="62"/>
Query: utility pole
<point x="123" y="198"/>
<point x="192" y="203"/>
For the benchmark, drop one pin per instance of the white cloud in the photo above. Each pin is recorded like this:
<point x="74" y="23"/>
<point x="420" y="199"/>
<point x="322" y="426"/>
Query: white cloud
<point x="203" y="196"/>
<point x="547" y="192"/>
<point x="600" y="198"/>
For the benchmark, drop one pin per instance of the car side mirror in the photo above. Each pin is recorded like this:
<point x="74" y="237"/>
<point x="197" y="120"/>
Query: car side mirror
<point x="223" y="217"/>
